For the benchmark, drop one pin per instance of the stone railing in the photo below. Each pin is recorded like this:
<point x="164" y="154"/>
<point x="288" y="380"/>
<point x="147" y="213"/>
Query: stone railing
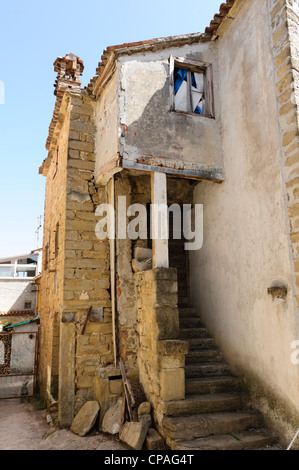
<point x="161" y="355"/>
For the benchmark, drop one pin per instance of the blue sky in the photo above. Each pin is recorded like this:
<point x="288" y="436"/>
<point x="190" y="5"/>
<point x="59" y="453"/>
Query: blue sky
<point x="32" y="35"/>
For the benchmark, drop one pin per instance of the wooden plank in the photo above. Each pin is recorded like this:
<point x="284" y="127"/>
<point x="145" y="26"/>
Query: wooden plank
<point x="130" y="401"/>
<point x="123" y="414"/>
<point x="189" y="92"/>
<point x="209" y="92"/>
<point x="182" y="61"/>
<point x="86" y="320"/>
<point x="171" y="84"/>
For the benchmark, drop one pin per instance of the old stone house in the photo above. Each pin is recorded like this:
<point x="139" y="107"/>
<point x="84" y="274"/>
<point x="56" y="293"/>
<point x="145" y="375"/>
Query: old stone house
<point x="205" y="120"/>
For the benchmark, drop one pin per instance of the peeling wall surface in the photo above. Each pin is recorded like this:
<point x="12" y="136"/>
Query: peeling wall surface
<point x="246" y="245"/>
<point x="144" y="110"/>
<point x="106" y="112"/>
<point x="146" y="127"/>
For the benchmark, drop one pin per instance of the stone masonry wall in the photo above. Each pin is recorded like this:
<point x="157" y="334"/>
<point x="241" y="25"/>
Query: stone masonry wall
<point x="285" y="23"/>
<point x="51" y="300"/>
<point x="77" y="275"/>
<point x="87" y="273"/>
<point x="161" y="356"/>
<point x="125" y="284"/>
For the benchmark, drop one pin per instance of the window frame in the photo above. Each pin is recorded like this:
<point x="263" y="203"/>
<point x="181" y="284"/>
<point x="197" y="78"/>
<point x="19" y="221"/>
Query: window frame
<point x="193" y="66"/>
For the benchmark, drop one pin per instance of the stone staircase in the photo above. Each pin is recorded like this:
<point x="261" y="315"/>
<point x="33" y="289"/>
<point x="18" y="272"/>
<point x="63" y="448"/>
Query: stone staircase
<point x="215" y="414"/>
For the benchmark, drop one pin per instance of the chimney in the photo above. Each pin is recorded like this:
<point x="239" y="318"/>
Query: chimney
<point x="69" y="69"/>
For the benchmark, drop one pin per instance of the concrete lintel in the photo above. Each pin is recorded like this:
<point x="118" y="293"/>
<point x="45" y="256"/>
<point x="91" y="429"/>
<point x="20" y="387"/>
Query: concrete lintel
<point x="208" y="174"/>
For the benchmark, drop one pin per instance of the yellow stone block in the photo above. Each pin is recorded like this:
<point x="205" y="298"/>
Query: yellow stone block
<point x="172" y="384"/>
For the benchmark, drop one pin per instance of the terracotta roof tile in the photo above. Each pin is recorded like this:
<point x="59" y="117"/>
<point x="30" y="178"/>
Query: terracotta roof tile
<point x="11" y="313"/>
<point x="218" y="18"/>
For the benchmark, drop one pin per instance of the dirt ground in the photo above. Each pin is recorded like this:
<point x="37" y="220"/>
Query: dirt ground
<point x="24" y="427"/>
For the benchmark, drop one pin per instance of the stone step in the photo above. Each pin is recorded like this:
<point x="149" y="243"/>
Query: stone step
<point x="187" y="333"/>
<point x="246" y="440"/>
<point x="206" y="385"/>
<point x="206" y="403"/>
<point x="203" y="425"/>
<point x="200" y="343"/>
<point x="187" y="312"/>
<point x="188" y="322"/>
<point x="208" y="369"/>
<point x="204" y="355"/>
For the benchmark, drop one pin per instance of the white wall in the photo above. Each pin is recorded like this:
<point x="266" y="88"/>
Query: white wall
<point x="144" y="109"/>
<point x="15" y="292"/>
<point x="246" y="244"/>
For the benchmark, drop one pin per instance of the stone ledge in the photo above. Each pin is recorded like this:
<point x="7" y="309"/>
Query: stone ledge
<point x="172" y="347"/>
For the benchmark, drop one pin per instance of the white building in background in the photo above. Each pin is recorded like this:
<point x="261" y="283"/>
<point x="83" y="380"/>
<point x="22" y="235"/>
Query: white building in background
<point x="18" y="290"/>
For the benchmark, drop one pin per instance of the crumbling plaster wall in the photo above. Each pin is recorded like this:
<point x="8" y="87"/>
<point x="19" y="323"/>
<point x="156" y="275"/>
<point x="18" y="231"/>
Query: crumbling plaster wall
<point x="246" y="235"/>
<point x="147" y="126"/>
<point x="106" y="112"/>
<point x="132" y="115"/>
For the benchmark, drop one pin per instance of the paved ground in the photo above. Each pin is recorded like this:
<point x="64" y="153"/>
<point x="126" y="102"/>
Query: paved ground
<point x="24" y="427"/>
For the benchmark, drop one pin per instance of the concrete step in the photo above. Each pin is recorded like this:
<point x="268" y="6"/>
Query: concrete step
<point x="200" y="343"/>
<point x="204" y="385"/>
<point x="208" y="369"/>
<point x="203" y="425"/>
<point x="246" y="440"/>
<point x="206" y="403"/>
<point x="187" y="333"/>
<point x="188" y="322"/>
<point x="204" y="355"/>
